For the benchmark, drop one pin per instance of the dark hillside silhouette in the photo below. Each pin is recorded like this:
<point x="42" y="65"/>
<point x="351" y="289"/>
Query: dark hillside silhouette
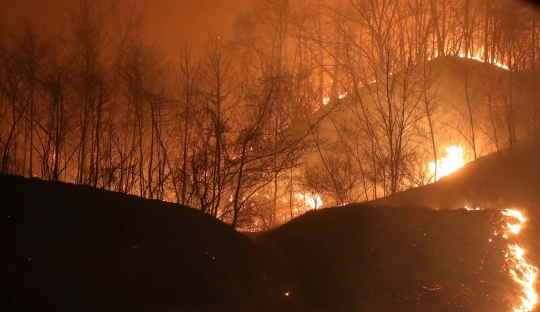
<point x="75" y="248"/>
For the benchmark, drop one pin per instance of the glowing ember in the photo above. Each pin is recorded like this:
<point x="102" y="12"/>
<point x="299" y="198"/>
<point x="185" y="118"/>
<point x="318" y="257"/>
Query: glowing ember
<point x="326" y="100"/>
<point x="453" y="161"/>
<point x="341" y="96"/>
<point x="310" y="200"/>
<point x="521" y="271"/>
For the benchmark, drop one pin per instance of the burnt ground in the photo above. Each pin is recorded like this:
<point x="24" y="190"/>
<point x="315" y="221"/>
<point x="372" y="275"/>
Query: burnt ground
<point x="365" y="258"/>
<point x="75" y="248"/>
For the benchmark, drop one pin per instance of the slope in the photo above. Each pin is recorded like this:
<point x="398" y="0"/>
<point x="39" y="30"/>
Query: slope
<point x="373" y="257"/>
<point x="494" y="181"/>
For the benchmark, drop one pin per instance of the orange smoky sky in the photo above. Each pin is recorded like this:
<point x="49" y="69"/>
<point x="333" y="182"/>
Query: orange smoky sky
<point x="166" y="23"/>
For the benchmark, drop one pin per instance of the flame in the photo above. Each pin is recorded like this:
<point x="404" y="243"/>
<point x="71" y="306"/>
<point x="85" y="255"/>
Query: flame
<point x="521" y="271"/>
<point x="501" y="65"/>
<point x="453" y="161"/>
<point x="327" y="100"/>
<point x="310" y="200"/>
<point x="479" y="57"/>
<point x="515" y="214"/>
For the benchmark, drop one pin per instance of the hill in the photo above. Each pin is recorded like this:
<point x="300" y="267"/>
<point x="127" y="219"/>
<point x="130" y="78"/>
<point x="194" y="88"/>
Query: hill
<point x="67" y="247"/>
<point x="74" y="248"/>
<point x="495" y="181"/>
<point x="479" y="107"/>
<point x="365" y="258"/>
<point x="390" y="255"/>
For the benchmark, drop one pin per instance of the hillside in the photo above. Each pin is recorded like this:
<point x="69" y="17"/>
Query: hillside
<point x="494" y="181"/>
<point x="67" y="247"/>
<point x="74" y="248"/>
<point x="362" y="258"/>
<point x="467" y="104"/>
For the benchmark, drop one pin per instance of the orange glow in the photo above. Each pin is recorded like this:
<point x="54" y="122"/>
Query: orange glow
<point x="453" y="161"/>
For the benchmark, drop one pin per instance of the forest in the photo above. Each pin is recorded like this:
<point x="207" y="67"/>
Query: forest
<point x="311" y="103"/>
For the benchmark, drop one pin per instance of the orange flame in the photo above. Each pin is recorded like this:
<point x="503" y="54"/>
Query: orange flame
<point x="453" y="161"/>
<point x="310" y="200"/>
<point x="521" y="271"/>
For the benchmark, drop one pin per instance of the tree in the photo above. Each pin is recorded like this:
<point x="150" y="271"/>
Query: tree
<point x="88" y="77"/>
<point x="56" y="120"/>
<point x="187" y="87"/>
<point x="13" y="102"/>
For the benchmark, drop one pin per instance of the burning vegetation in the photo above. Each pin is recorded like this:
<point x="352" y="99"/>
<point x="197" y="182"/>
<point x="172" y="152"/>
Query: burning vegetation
<point x="453" y="161"/>
<point x="523" y="272"/>
<point x="308" y="104"/>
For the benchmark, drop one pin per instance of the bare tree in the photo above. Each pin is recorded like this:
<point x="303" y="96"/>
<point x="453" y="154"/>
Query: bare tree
<point x="187" y="88"/>
<point x="56" y="120"/>
<point x="13" y="103"/>
<point x="88" y="43"/>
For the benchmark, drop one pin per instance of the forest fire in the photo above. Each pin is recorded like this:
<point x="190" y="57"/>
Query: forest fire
<point x="522" y="272"/>
<point x="453" y="161"/>
<point x="206" y="125"/>
<point x="128" y="97"/>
